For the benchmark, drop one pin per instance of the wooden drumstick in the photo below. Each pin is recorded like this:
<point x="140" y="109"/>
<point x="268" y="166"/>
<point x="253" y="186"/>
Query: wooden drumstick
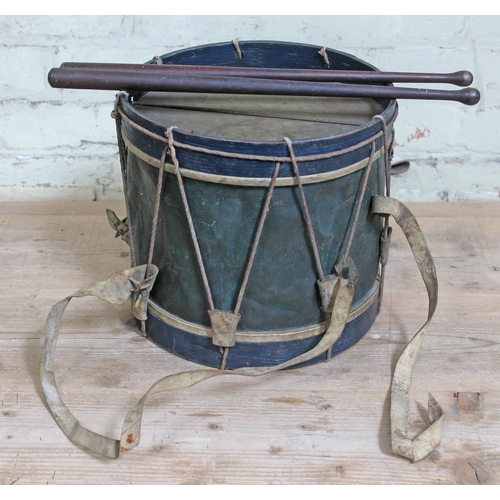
<point x="130" y="80"/>
<point x="459" y="78"/>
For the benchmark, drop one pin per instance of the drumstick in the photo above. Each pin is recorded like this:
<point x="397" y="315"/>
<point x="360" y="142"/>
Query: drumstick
<point x="129" y="80"/>
<point x="459" y="78"/>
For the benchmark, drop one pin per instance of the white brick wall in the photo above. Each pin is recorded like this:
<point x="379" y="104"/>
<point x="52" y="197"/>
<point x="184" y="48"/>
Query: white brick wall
<point x="61" y="143"/>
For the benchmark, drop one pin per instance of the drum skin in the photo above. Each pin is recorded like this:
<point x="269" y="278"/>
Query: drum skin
<point x="281" y="311"/>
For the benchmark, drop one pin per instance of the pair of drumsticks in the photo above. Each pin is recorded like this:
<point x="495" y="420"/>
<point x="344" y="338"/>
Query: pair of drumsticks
<point x="263" y="81"/>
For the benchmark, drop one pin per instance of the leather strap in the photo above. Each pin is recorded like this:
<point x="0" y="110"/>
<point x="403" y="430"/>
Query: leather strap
<point x="117" y="290"/>
<point x="428" y="440"/>
<point x="131" y="284"/>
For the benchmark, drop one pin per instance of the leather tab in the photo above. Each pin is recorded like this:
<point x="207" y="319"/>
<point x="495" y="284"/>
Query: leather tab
<point x="326" y="291"/>
<point x="223" y="327"/>
<point x="384" y="247"/>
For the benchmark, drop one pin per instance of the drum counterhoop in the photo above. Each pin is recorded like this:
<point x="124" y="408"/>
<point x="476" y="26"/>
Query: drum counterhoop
<point x="259" y="232"/>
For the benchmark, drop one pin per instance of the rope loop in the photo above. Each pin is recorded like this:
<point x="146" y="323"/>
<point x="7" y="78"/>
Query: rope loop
<point x="359" y="201"/>
<point x="305" y="210"/>
<point x="187" y="211"/>
<point x="323" y="53"/>
<point x="237" y="48"/>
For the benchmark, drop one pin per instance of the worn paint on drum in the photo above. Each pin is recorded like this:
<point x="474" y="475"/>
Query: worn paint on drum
<point x="281" y="292"/>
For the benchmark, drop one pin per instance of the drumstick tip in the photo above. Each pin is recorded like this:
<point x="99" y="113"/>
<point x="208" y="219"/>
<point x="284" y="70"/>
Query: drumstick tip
<point x="463" y="78"/>
<point x="471" y="96"/>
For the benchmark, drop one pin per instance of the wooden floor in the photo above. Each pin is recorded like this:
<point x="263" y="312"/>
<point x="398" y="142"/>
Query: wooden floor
<point x="324" y="424"/>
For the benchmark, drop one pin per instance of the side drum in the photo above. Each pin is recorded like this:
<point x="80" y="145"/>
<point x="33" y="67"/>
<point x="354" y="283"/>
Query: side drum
<point x="259" y="233"/>
<point x="260" y="200"/>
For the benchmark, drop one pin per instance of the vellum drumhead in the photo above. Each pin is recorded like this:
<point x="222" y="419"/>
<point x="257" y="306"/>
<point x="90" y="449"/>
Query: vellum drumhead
<point x="257" y="117"/>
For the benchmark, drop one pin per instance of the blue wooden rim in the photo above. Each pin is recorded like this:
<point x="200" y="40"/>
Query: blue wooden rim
<point x="203" y="161"/>
<point x="200" y="349"/>
<point x="303" y="147"/>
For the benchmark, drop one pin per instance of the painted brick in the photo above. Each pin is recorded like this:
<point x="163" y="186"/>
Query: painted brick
<point x="40" y="123"/>
<point x="35" y="126"/>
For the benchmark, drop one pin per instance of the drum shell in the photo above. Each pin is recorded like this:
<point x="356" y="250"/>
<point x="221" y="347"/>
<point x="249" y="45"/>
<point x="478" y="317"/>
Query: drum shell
<point x="226" y="195"/>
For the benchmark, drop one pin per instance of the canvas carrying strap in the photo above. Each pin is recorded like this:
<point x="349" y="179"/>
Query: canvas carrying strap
<point x="427" y="441"/>
<point x="133" y="284"/>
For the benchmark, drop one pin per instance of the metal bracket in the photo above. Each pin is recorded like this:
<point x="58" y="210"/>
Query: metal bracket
<point x="120" y="226"/>
<point x="347" y="270"/>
